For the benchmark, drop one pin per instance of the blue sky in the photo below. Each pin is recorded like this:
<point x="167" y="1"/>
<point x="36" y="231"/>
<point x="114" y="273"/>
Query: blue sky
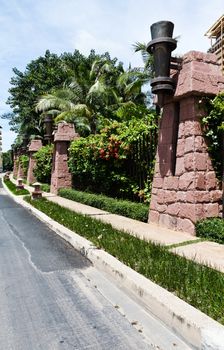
<point x="29" y="27"/>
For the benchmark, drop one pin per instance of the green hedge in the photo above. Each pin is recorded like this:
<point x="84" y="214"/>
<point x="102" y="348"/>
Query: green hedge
<point x="212" y="229"/>
<point x="137" y="211"/>
<point x="45" y="187"/>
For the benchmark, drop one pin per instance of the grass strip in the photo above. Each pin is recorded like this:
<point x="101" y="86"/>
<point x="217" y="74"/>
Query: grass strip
<point x="136" y="211"/>
<point x="12" y="187"/>
<point x="198" y="285"/>
<point x="182" y="244"/>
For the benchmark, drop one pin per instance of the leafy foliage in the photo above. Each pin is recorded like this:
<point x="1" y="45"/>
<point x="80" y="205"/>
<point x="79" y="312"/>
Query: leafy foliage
<point x="42" y="170"/>
<point x="198" y="285"/>
<point x="213" y="127"/>
<point x="7" y="161"/>
<point x="110" y="161"/>
<point x="212" y="229"/>
<point x="137" y="211"/>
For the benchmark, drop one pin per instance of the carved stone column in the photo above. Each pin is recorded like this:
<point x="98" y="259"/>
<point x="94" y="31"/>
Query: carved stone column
<point x="35" y="145"/>
<point x="61" y="177"/>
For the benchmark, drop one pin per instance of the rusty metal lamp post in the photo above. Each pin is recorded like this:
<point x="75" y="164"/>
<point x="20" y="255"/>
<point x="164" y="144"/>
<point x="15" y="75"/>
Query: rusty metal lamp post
<point x="161" y="46"/>
<point x="48" y="122"/>
<point x="25" y="143"/>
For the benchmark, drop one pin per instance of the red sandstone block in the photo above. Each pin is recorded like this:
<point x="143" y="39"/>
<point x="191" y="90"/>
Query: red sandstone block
<point x="216" y="196"/>
<point x="161" y="208"/>
<point x="209" y="164"/>
<point x="153" y="202"/>
<point x="185" y="225"/>
<point x="186" y="181"/>
<point x="180" y="169"/>
<point x="180" y="147"/>
<point x="201" y="161"/>
<point x="189" y="144"/>
<point x="181" y="196"/>
<point x="189" y="162"/>
<point x="181" y="130"/>
<point x="200" y="182"/>
<point x="187" y="108"/>
<point x="202" y="196"/>
<point x="173" y="209"/>
<point x="211" y="209"/>
<point x="154" y="190"/>
<point x="190" y="197"/>
<point x="192" y="127"/>
<point x="171" y="183"/>
<point x="211" y="181"/>
<point x="158" y="182"/>
<point x="170" y="196"/>
<point x="187" y="210"/>
<point x="199" y="211"/>
<point x="200" y="144"/>
<point x="153" y="216"/>
<point x="167" y="221"/>
<point x="157" y="169"/>
<point x="160" y="196"/>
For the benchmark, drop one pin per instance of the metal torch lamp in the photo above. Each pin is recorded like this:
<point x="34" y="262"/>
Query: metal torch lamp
<point x="161" y="46"/>
<point x="48" y="122"/>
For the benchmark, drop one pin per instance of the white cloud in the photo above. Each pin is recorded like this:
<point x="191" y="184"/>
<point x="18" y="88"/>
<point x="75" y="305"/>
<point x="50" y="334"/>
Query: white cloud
<point x="29" y="27"/>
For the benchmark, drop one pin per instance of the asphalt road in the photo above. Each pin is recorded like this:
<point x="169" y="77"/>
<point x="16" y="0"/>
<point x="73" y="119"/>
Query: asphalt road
<point x="46" y="301"/>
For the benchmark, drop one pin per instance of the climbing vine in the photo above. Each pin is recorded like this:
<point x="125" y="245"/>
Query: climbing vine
<point x="213" y="128"/>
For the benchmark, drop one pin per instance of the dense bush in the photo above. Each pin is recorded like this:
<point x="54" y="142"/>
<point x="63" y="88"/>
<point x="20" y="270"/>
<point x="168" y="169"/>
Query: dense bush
<point x="212" y="229"/>
<point x="42" y="170"/>
<point x="119" y="161"/>
<point x="137" y="211"/>
<point x="45" y="187"/>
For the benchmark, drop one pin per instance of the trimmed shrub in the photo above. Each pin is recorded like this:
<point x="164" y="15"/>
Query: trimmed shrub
<point x="212" y="229"/>
<point x="137" y="211"/>
<point x="45" y="187"/>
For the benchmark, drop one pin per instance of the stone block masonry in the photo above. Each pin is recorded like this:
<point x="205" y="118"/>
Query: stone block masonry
<point x="185" y="188"/>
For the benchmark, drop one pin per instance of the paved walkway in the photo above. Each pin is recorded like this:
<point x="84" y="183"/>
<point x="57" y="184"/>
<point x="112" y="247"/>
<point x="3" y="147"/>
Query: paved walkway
<point x="207" y="253"/>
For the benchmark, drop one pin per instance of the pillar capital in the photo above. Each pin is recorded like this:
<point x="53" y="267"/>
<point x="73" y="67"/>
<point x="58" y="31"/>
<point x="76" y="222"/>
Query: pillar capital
<point x="65" y="132"/>
<point x="35" y="145"/>
<point x="200" y="75"/>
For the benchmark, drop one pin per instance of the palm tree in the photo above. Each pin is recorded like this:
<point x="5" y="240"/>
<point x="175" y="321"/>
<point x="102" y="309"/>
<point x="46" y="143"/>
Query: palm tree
<point x="79" y="105"/>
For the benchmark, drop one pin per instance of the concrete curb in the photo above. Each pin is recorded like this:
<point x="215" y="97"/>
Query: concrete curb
<point x="197" y="329"/>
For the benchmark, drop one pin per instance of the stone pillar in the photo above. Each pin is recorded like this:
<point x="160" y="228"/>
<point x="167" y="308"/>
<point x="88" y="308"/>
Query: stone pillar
<point x="35" y="145"/>
<point x="185" y="188"/>
<point x="61" y="177"/>
<point x="15" y="164"/>
<point x="20" y="172"/>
